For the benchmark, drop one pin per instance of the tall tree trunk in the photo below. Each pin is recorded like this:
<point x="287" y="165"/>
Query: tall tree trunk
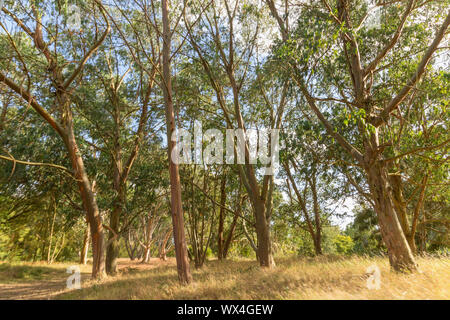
<point x="90" y="205"/>
<point x="400" y="208"/>
<point x="417" y="209"/>
<point x="317" y="222"/>
<point x="146" y="257"/>
<point x="148" y="235"/>
<point x="85" y="248"/>
<point x="220" y="238"/>
<point x="50" y="240"/>
<point x="184" y="274"/>
<point x="263" y="235"/>
<point x="230" y="234"/>
<point x="112" y="250"/>
<point x="400" y="255"/>
<point x="314" y="232"/>
<point x="250" y="239"/>
<point x="162" y="250"/>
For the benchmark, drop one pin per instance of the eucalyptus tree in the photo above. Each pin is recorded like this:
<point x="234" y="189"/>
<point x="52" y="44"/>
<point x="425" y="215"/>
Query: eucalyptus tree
<point x="151" y="53"/>
<point x="227" y="40"/>
<point x="369" y="73"/>
<point x="62" y="61"/>
<point x="420" y="173"/>
<point x="184" y="273"/>
<point x="120" y="106"/>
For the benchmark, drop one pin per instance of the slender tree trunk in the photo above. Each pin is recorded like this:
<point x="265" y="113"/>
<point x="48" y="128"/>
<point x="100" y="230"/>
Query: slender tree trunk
<point x="220" y="238"/>
<point x="90" y="205"/>
<point x="85" y="248"/>
<point x="314" y="232"/>
<point x="147" y="246"/>
<point x="250" y="239"/>
<point x="50" y="240"/>
<point x="318" y="226"/>
<point x="162" y="250"/>
<point x="131" y="246"/>
<point x="230" y="234"/>
<point x="184" y="274"/>
<point x="423" y="235"/>
<point x="417" y="209"/>
<point x="146" y="257"/>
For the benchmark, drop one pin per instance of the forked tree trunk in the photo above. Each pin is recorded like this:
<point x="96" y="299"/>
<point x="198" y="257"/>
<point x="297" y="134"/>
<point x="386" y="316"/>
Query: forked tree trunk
<point x="184" y="274"/>
<point x="400" y="255"/>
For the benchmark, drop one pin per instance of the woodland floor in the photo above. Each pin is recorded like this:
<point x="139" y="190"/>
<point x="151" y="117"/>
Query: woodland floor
<point x="37" y="281"/>
<point x="293" y="278"/>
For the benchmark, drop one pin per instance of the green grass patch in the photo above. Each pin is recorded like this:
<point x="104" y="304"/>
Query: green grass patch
<point x="10" y="273"/>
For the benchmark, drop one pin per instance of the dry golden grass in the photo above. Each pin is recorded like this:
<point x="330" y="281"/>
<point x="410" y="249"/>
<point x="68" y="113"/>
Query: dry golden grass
<point x="293" y="278"/>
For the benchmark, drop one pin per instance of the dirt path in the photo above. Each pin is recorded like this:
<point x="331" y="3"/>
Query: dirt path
<point x="49" y="288"/>
<point x="36" y="290"/>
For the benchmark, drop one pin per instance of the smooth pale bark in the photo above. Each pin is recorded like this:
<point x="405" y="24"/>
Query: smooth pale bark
<point x="184" y="274"/>
<point x="400" y="204"/>
<point x="149" y="228"/>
